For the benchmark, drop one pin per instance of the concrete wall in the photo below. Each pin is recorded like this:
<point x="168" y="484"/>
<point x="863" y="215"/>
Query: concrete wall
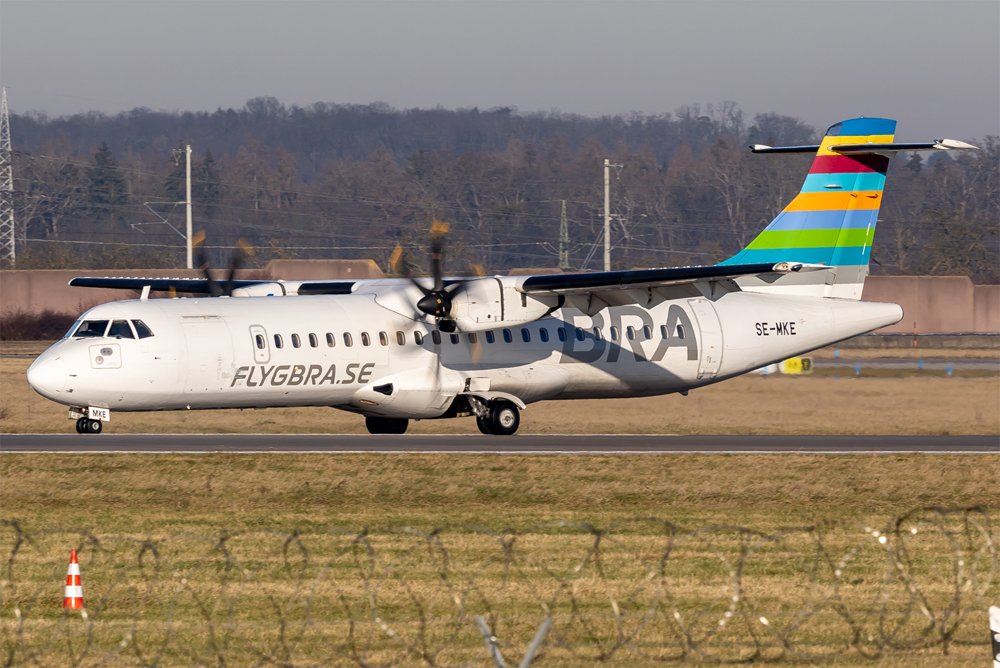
<point x="931" y="304"/>
<point x="986" y="315"/>
<point x="937" y="304"/>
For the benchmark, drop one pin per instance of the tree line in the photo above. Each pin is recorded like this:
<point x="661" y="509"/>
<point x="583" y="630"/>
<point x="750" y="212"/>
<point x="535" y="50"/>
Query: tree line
<point x="347" y="181"/>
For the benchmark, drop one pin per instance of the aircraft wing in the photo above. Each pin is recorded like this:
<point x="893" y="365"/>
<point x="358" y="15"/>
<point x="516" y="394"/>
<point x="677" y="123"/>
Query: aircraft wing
<point x="202" y="286"/>
<point x="566" y="284"/>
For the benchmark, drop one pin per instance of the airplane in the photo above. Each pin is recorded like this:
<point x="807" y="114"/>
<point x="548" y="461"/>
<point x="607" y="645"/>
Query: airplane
<point x="401" y="349"/>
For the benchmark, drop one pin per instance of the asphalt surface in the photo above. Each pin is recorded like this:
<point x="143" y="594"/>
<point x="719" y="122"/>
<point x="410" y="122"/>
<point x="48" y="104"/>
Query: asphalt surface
<point x="477" y="444"/>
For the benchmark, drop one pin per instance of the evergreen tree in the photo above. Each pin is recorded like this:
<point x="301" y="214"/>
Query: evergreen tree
<point x="205" y="185"/>
<point x="106" y="188"/>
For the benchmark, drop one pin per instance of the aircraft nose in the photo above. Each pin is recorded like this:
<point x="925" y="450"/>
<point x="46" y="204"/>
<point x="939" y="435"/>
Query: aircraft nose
<point x="47" y="376"/>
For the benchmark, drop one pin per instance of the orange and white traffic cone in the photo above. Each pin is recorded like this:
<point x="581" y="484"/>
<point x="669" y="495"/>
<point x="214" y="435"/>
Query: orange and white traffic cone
<point x="73" y="596"/>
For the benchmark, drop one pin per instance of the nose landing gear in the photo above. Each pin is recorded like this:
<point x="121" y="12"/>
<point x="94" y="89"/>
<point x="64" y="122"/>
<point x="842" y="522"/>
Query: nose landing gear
<point x="85" y="425"/>
<point x="89" y="420"/>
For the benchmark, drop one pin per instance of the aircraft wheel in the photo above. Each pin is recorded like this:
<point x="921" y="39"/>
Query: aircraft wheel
<point x="384" y="425"/>
<point x="484" y="425"/>
<point x="81" y="426"/>
<point x="94" y="426"/>
<point x="504" y="418"/>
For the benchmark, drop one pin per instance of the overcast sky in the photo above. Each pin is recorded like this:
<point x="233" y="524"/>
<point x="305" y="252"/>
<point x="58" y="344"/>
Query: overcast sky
<point x="935" y="66"/>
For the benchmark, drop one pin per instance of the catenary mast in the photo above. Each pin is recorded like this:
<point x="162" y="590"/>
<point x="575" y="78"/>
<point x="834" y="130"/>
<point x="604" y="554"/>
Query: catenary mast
<point x="8" y="253"/>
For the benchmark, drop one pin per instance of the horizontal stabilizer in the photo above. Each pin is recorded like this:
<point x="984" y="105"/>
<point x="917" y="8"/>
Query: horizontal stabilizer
<point x="869" y="148"/>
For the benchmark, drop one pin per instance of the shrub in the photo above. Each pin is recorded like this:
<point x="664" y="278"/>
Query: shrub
<point x="34" y="325"/>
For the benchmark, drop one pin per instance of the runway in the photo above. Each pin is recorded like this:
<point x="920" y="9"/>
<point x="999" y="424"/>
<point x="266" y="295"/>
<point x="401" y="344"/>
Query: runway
<point x="522" y="444"/>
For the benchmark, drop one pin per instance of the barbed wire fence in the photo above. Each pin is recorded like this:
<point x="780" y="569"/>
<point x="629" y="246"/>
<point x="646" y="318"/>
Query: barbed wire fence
<point x="640" y="591"/>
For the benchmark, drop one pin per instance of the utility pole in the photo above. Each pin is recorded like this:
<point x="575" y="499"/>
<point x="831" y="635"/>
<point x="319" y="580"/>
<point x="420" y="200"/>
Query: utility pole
<point x="563" y="239"/>
<point x="607" y="212"/>
<point x="8" y="251"/>
<point x="187" y="203"/>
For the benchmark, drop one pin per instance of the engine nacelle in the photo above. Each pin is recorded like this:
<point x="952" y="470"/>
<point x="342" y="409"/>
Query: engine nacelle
<point x="272" y="289"/>
<point x="488" y="303"/>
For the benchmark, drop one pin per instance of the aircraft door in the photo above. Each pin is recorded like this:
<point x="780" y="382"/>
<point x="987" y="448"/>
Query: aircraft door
<point x="710" y="339"/>
<point x="209" y="364"/>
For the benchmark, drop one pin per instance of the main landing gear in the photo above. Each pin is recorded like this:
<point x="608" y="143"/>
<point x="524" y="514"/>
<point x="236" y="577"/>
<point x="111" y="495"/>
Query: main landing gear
<point x="386" y="425"/>
<point x="502" y="418"/>
<point x="87" y="426"/>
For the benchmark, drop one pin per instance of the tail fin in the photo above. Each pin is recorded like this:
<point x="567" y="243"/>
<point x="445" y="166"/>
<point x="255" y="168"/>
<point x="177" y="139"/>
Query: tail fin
<point x="831" y="222"/>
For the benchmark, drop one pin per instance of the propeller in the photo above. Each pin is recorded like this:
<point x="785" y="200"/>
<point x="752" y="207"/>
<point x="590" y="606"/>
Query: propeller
<point x="240" y="254"/>
<point x="437" y="299"/>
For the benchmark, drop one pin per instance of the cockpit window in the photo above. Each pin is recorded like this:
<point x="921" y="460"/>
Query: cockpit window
<point x="72" y="329"/>
<point x="121" y="330"/>
<point x="91" y="328"/>
<point x="143" y="331"/>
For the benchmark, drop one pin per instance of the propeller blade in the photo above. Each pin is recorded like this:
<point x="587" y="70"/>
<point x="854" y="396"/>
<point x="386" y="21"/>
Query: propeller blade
<point x="439" y="230"/>
<point x="475" y="346"/>
<point x="242" y="251"/>
<point x="397" y="265"/>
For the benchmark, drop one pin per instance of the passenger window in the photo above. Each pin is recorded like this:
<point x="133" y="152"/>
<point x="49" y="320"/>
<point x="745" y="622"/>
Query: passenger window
<point x="680" y="331"/>
<point x="141" y="330"/>
<point x="331" y="340"/>
<point x="647" y="332"/>
<point x="278" y="343"/>
<point x="296" y="341"/>
<point x="580" y="336"/>
<point x="561" y="333"/>
<point x="365" y="339"/>
<point x="121" y="329"/>
<point x="663" y="331"/>
<point x="383" y="338"/>
<point x="418" y="338"/>
<point x="259" y="341"/>
<point x="473" y="339"/>
<point x="525" y="335"/>
<point x="507" y="336"/>
<point x="490" y="337"/>
<point x="348" y="339"/>
<point x="614" y="333"/>
<point x="313" y="341"/>
<point x="454" y="338"/>
<point x="630" y="333"/>
<point x="436" y="337"/>
<point x="598" y="334"/>
<point x="543" y="334"/>
<point x="400" y="338"/>
<point x="91" y="328"/>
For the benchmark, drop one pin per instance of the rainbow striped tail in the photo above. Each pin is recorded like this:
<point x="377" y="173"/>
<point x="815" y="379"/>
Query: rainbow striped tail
<point x="831" y="222"/>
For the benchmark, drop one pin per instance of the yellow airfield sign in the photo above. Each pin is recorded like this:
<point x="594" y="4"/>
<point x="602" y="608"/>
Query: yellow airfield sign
<point x="797" y="366"/>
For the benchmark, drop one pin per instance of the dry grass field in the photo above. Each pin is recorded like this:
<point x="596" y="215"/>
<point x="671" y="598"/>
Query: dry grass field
<point x="876" y="403"/>
<point x="323" y="560"/>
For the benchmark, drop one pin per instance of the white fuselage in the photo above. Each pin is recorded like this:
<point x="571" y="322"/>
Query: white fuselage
<point x="349" y="352"/>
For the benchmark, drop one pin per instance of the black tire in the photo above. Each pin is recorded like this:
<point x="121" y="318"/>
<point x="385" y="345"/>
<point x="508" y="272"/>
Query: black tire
<point x="94" y="426"/>
<point x="504" y="418"/>
<point x="386" y="425"/>
<point x="484" y="425"/>
<point x="81" y="426"/>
